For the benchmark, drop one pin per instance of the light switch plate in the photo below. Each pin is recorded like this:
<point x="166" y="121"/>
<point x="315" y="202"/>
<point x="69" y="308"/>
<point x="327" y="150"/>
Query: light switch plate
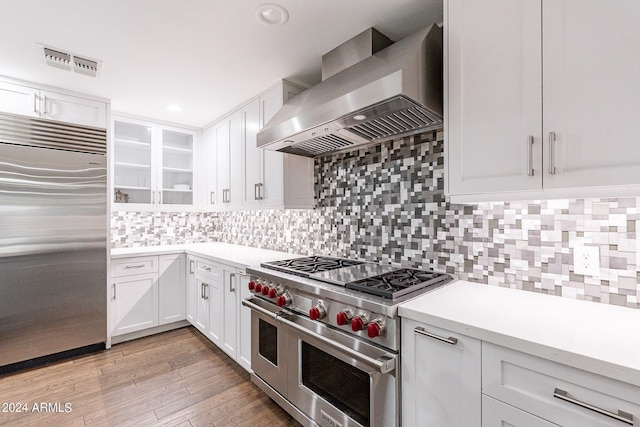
<point x="586" y="260"/>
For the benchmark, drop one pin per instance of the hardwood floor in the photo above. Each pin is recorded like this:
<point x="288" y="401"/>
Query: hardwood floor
<point x="177" y="378"/>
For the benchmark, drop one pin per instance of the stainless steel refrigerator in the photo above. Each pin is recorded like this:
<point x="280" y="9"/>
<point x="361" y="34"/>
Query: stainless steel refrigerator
<point x="53" y="240"/>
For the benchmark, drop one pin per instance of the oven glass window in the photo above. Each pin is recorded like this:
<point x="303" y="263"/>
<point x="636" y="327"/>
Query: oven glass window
<point x="268" y="341"/>
<point x="337" y="382"/>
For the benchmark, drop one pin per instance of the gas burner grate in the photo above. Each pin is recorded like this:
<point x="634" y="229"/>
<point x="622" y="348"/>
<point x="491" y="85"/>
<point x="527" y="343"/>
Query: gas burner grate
<point x="309" y="265"/>
<point x="398" y="282"/>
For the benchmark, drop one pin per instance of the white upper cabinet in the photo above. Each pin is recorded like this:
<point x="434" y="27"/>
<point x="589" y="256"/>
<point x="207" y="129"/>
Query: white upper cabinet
<point x="248" y="177"/>
<point x="591" y="90"/>
<point x="153" y="166"/>
<point x="542" y="98"/>
<point x="34" y="102"/>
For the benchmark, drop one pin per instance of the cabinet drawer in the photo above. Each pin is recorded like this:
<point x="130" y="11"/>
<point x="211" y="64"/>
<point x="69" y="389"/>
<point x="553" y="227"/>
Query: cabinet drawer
<point x="208" y="268"/>
<point x="558" y="393"/>
<point x="498" y="414"/>
<point x="130" y="266"/>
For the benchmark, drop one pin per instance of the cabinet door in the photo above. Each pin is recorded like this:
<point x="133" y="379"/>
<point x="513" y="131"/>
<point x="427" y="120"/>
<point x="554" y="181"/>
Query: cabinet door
<point x="72" y="109"/>
<point x="234" y="196"/>
<point x="134" y="303"/>
<point x="215" y="297"/>
<point x="134" y="182"/>
<point x="253" y="157"/>
<point x="272" y="163"/>
<point x="441" y="383"/>
<point x="222" y="163"/>
<point x="176" y="171"/>
<point x="210" y="166"/>
<point x="230" y="337"/>
<point x="18" y="99"/>
<point x="171" y="288"/>
<point x="202" y="305"/>
<point x="244" y="323"/>
<point x="192" y="293"/>
<point x="591" y="92"/>
<point x="494" y="101"/>
<point x="498" y="414"/>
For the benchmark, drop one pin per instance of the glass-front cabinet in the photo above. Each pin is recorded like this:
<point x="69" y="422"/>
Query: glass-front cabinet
<point x="153" y="165"/>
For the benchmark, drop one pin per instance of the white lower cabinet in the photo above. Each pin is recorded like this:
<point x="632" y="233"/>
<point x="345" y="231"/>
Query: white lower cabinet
<point x="498" y="414"/>
<point x="558" y="393"/>
<point x="134" y="303"/>
<point x="171" y="289"/>
<point x="440" y="377"/>
<point x="244" y="322"/>
<point x="214" y="297"/>
<point x="146" y="292"/>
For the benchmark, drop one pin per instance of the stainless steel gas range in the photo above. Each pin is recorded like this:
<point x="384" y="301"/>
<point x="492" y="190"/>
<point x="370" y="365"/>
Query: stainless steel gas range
<point x="325" y="337"/>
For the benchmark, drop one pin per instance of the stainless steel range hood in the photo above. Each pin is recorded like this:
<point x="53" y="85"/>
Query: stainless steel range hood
<point x="394" y="92"/>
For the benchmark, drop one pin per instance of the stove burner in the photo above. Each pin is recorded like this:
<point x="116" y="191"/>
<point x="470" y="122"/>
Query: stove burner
<point x="309" y="265"/>
<point x="397" y="283"/>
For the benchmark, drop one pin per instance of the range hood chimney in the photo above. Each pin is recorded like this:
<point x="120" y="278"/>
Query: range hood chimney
<point x="372" y="91"/>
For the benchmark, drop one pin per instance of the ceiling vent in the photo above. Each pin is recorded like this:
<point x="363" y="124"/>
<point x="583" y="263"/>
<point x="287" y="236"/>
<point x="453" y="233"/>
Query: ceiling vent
<point x="69" y="61"/>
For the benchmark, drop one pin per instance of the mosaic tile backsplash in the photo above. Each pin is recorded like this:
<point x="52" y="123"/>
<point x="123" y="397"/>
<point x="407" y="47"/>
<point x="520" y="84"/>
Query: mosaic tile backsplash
<point x="387" y="204"/>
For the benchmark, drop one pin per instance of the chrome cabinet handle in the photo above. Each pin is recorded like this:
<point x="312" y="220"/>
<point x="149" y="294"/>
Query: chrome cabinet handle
<point x="191" y="266"/>
<point x="44" y="104"/>
<point x="231" y="277"/>
<point x="206" y="287"/>
<point x="153" y="198"/>
<point x="35" y="103"/>
<point x="114" y="291"/>
<point x="260" y="191"/>
<point x="204" y="267"/>
<point x="530" y="172"/>
<point x="239" y="273"/>
<point x="202" y="290"/>
<point x="420" y="330"/>
<point x="159" y="198"/>
<point x="256" y="196"/>
<point x="211" y="198"/>
<point x="135" y="266"/>
<point x="621" y="416"/>
<point x="552" y="156"/>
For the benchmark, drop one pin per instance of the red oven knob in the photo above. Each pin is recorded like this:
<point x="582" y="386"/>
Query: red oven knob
<point x="273" y="292"/>
<point x="344" y="317"/>
<point x="317" y="312"/>
<point x="357" y="323"/>
<point x="257" y="288"/>
<point x="283" y="300"/>
<point x="375" y="328"/>
<point x="265" y="290"/>
<point x="252" y="285"/>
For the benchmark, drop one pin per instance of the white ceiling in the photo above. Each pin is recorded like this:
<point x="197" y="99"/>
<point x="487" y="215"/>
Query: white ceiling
<point x="208" y="56"/>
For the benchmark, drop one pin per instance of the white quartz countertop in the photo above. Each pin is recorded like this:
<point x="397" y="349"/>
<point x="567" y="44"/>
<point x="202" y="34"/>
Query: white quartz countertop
<point x="226" y="253"/>
<point x="599" y="338"/>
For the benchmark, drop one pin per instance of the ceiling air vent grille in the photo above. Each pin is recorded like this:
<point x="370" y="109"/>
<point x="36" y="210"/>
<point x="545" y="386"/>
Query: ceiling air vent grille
<point x="400" y="122"/>
<point x="69" y="61"/>
<point x="320" y="145"/>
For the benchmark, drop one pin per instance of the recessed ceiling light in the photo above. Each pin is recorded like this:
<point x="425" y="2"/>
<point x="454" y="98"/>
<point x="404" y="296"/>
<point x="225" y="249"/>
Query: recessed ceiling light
<point x="272" y="14"/>
<point x="173" y="107"/>
<point x="359" y="117"/>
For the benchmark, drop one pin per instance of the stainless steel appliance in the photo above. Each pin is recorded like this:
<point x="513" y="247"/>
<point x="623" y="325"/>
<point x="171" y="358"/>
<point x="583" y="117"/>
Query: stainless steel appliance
<point x="325" y="337"/>
<point x="371" y="91"/>
<point x="53" y="240"/>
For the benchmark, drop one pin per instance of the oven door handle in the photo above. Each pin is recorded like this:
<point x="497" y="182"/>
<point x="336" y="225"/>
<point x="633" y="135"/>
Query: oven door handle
<point x="383" y="366"/>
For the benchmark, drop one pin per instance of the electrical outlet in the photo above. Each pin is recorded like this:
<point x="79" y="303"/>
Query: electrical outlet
<point x="586" y="260"/>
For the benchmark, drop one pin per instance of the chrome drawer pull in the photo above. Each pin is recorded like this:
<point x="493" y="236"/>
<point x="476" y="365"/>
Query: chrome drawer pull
<point x="135" y="266"/>
<point x="622" y="416"/>
<point x="451" y="340"/>
<point x="552" y="155"/>
<point x="530" y="172"/>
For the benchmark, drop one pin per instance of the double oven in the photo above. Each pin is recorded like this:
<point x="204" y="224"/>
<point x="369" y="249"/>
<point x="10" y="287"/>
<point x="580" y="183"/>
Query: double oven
<point x="322" y="375"/>
<point x="325" y="337"/>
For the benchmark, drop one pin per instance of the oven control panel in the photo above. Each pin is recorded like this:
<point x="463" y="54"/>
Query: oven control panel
<point x="369" y="325"/>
